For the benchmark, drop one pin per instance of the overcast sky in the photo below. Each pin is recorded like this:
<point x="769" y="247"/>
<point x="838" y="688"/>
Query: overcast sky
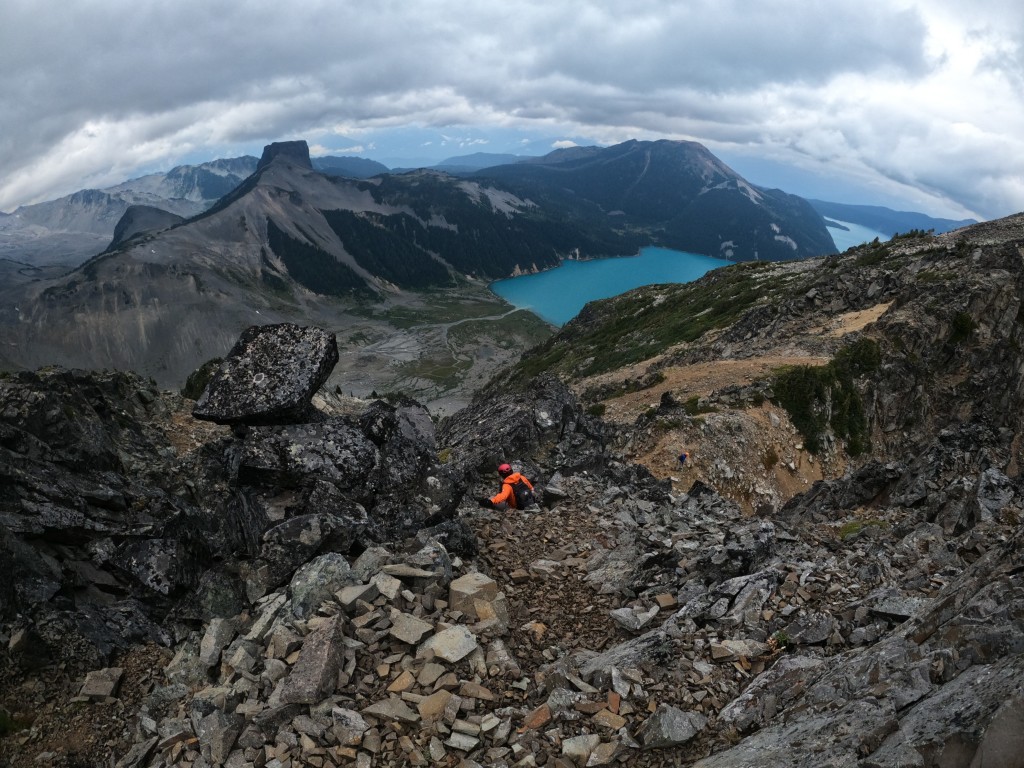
<point x="916" y="105"/>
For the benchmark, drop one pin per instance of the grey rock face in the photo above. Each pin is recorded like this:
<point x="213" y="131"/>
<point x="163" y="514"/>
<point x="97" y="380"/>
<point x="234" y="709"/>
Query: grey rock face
<point x="318" y="580"/>
<point x="669" y="727"/>
<point x="316" y="671"/>
<point x="332" y="450"/>
<point x="518" y="424"/>
<point x="270" y="376"/>
<point x="79" y="462"/>
<point x="296" y="151"/>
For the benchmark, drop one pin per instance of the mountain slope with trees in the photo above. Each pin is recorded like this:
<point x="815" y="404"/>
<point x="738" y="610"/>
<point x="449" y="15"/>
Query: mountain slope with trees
<point x="289" y="242"/>
<point x="887" y="220"/>
<point x="677" y="192"/>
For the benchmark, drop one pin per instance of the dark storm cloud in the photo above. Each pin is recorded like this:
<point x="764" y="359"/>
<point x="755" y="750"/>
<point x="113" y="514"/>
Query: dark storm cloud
<point x="911" y="97"/>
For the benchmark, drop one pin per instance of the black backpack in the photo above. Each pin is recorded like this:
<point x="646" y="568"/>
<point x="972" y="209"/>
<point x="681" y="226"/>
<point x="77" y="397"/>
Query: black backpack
<point x="524" y="495"/>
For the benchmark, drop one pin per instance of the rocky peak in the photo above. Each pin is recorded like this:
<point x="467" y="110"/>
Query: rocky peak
<point x="296" y="151"/>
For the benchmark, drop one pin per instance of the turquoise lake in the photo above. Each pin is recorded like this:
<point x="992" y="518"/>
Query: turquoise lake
<point x="854" y="234"/>
<point x="558" y="295"/>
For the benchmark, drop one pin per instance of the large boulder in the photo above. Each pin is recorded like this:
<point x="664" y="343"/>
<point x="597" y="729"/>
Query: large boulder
<point x="270" y="376"/>
<point x="331" y="450"/>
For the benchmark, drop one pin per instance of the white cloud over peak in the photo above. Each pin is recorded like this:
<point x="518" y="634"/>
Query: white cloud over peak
<point x="917" y="100"/>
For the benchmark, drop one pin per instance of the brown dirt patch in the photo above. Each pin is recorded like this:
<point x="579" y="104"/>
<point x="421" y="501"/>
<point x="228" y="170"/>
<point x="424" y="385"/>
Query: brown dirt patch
<point x="754" y="455"/>
<point x="700" y="379"/>
<point x="186" y="433"/>
<point x="849" y="322"/>
<point x="52" y="729"/>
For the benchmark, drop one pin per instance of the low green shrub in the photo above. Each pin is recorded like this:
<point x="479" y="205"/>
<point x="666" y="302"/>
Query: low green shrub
<point x="854" y="527"/>
<point x="821" y="397"/>
<point x="693" y="407"/>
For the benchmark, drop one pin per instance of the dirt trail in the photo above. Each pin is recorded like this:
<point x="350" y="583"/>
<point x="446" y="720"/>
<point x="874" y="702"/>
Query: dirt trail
<point x="700" y="379"/>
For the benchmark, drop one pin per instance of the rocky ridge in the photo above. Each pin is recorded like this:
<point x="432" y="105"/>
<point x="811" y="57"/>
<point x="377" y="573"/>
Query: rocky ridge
<point x="354" y="606"/>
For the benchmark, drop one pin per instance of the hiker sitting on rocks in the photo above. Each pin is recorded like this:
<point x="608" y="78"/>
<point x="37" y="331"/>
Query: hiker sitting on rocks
<point x="516" y="491"/>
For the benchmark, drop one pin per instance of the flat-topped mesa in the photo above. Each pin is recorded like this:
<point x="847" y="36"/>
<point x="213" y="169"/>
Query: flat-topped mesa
<point x="296" y="151"/>
<point x="270" y="376"/>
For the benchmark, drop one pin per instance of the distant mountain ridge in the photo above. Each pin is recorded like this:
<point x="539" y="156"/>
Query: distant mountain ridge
<point x="200" y="184"/>
<point x="353" y="167"/>
<point x="72" y="228"/>
<point x="289" y="242"/>
<point x="679" y="192"/>
<point x="887" y="220"/>
<point x="467" y="164"/>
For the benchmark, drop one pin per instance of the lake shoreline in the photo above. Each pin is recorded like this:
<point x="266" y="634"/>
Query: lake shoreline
<point x="557" y="295"/>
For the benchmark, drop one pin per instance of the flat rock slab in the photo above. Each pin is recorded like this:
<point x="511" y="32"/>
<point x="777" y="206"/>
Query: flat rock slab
<point x="102" y="683"/>
<point x="452" y="645"/>
<point x="669" y="727"/>
<point x="392" y="709"/>
<point x="316" y="671"/>
<point x="409" y="629"/>
<point x="269" y="376"/>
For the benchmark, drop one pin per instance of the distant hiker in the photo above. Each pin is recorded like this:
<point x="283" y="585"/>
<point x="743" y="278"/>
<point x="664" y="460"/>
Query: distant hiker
<point x="516" y="491"/>
<point x="684" y="457"/>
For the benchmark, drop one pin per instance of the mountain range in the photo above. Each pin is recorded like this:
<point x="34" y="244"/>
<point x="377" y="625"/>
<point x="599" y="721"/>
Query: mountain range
<point x="289" y="242"/>
<point x="68" y="230"/>
<point x="886" y="220"/>
<point x="191" y="257"/>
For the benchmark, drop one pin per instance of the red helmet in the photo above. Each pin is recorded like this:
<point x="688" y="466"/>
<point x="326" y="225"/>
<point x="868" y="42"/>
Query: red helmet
<point x="504" y="469"/>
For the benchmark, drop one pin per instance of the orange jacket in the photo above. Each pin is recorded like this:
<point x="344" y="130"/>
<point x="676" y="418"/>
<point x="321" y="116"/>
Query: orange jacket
<point x="507" y="494"/>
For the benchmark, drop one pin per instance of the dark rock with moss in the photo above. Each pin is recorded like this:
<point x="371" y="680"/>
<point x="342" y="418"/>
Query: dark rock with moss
<point x="269" y="376"/>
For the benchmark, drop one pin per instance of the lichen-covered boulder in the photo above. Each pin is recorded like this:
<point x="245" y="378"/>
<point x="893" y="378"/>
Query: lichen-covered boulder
<point x="270" y="376"/>
<point x="331" y="450"/>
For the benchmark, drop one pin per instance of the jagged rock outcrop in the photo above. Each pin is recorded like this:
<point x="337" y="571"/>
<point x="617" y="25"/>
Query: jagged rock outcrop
<point x="543" y="419"/>
<point x="102" y="515"/>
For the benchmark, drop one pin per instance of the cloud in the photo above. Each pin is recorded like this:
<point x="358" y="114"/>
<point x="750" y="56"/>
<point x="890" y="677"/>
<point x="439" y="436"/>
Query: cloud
<point x="919" y="98"/>
<point x="319" y="150"/>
